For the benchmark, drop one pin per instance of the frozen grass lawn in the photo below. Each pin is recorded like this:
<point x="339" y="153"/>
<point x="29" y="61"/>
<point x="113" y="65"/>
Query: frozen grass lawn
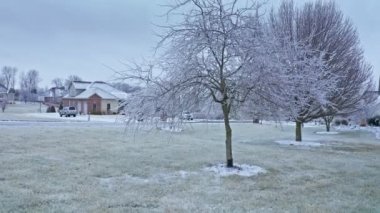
<point x="19" y="110"/>
<point x="95" y="167"/>
<point x="22" y="108"/>
<point x="35" y="112"/>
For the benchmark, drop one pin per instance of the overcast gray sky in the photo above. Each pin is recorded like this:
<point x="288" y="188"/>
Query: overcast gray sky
<point x="82" y="37"/>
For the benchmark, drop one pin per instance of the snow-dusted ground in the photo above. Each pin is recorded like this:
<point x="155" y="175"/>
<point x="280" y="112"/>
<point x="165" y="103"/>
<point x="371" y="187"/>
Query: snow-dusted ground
<point x="62" y="165"/>
<point x="374" y="130"/>
<point x="241" y="170"/>
<point x="327" y="133"/>
<point x="295" y="143"/>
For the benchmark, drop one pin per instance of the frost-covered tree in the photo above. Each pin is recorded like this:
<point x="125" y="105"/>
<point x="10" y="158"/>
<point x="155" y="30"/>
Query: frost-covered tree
<point x="304" y="73"/>
<point x="70" y="79"/>
<point x="57" y="82"/>
<point x="125" y="87"/>
<point x="322" y="26"/>
<point x="355" y="93"/>
<point x="210" y="53"/>
<point x="8" y="77"/>
<point x="29" y="85"/>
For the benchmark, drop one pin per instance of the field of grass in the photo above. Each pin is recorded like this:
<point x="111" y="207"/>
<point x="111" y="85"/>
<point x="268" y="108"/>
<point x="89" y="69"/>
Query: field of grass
<point x="97" y="167"/>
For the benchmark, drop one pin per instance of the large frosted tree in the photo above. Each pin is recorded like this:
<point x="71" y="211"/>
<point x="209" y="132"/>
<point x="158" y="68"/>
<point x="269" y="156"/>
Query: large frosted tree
<point x="345" y="78"/>
<point x="210" y="53"/>
<point x="304" y="74"/>
<point x="329" y="31"/>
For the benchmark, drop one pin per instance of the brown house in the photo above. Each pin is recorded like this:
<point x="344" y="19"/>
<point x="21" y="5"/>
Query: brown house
<point x="94" y="97"/>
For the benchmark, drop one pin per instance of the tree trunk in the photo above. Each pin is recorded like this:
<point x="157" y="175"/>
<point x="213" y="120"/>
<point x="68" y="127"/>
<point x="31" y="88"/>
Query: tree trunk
<point x="298" y="131"/>
<point x="228" y="135"/>
<point x="328" y="120"/>
<point x="328" y="124"/>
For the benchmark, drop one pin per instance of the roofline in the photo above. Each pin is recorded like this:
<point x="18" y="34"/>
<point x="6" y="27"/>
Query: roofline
<point x="89" y="82"/>
<point x="89" y="98"/>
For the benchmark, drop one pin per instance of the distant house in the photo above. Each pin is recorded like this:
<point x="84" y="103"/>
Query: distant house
<point x="55" y="95"/>
<point x="93" y="97"/>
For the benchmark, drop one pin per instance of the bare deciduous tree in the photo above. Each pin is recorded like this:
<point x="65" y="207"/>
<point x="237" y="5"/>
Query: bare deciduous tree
<point x="8" y="77"/>
<point x="29" y="85"/>
<point x="209" y="54"/>
<point x="70" y="79"/>
<point x="57" y="82"/>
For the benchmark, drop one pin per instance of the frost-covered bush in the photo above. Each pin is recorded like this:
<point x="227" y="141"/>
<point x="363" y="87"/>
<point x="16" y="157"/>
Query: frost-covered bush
<point x="374" y="121"/>
<point x="344" y="122"/>
<point x="50" y="109"/>
<point x="339" y="122"/>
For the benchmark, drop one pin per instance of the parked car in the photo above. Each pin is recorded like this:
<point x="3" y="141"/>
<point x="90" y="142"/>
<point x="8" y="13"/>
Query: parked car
<point x="68" y="111"/>
<point x="187" y="116"/>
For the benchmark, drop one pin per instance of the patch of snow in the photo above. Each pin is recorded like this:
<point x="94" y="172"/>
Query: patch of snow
<point x="158" y="178"/>
<point x="327" y="133"/>
<point x="78" y="118"/>
<point x="296" y="143"/>
<point x="172" y="176"/>
<point x="240" y="170"/>
<point x="111" y="181"/>
<point x="290" y="123"/>
<point x="374" y="130"/>
<point x="183" y="174"/>
<point x="377" y="135"/>
<point x="348" y="128"/>
<point x="171" y="129"/>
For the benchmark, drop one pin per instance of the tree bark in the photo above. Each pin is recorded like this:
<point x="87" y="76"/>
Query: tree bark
<point x="328" y="120"/>
<point x="328" y="126"/>
<point x="228" y="135"/>
<point x="298" y="131"/>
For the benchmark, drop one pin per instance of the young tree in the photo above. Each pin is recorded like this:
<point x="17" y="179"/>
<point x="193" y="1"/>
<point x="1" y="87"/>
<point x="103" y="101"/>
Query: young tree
<point x="29" y="85"/>
<point x="24" y="87"/>
<point x="70" y="79"/>
<point x="57" y="82"/>
<point x="8" y="77"/>
<point x="209" y="54"/>
<point x="3" y="104"/>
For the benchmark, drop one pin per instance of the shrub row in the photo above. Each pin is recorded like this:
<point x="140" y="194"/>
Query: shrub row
<point x="50" y="109"/>
<point x="374" y="121"/>
<point x="339" y="122"/>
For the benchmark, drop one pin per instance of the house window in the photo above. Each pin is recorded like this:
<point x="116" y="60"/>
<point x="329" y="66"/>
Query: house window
<point x="108" y="107"/>
<point x="94" y="107"/>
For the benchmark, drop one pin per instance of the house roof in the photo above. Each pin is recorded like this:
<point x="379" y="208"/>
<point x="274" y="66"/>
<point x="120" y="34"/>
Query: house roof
<point x="91" y="91"/>
<point x="80" y="84"/>
<point x="100" y="88"/>
<point x="57" y="88"/>
<point x="109" y="89"/>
